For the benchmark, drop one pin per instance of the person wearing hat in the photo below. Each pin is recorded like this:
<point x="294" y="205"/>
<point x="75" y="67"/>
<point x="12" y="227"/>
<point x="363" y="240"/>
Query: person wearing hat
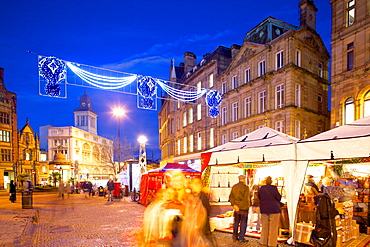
<point x="240" y="200"/>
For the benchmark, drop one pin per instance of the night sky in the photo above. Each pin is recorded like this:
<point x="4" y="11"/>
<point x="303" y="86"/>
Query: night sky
<point x="140" y="37"/>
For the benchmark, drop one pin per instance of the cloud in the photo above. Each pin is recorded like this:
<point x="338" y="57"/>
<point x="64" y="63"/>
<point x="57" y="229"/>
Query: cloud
<point x="161" y="53"/>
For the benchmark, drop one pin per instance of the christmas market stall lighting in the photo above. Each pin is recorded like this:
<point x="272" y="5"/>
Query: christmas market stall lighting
<point x="53" y="79"/>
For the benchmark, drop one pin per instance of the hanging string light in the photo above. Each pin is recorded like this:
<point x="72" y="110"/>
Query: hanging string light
<point x="53" y="71"/>
<point x="100" y="81"/>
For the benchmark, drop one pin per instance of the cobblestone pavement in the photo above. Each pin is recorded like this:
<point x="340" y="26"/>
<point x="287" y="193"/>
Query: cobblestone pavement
<point x="78" y="221"/>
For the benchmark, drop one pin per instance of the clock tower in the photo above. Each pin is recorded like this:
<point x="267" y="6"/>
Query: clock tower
<point x="84" y="117"/>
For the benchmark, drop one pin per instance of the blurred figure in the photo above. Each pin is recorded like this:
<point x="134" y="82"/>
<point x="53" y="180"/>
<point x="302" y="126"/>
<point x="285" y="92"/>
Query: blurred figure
<point x="270" y="213"/>
<point x="61" y="189"/>
<point x="86" y="189"/>
<point x="334" y="192"/>
<point x="310" y="188"/>
<point x="240" y="200"/>
<point x="68" y="189"/>
<point x="12" y="191"/>
<point x="254" y="211"/>
<point x="110" y="188"/>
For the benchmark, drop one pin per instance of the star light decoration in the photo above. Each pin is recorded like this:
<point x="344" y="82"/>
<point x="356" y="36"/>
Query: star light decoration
<point x="53" y="71"/>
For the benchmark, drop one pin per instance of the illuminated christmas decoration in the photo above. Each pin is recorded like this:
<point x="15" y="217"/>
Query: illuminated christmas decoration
<point x="53" y="74"/>
<point x="213" y="99"/>
<point x="53" y="71"/>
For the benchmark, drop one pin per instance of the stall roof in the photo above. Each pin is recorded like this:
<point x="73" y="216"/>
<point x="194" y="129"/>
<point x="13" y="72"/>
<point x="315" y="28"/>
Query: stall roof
<point x="174" y="166"/>
<point x="262" y="137"/>
<point x="358" y="128"/>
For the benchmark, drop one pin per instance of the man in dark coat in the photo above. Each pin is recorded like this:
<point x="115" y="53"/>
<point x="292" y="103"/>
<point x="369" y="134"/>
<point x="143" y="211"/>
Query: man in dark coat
<point x="110" y="188"/>
<point x="12" y="191"/>
<point x="240" y="200"/>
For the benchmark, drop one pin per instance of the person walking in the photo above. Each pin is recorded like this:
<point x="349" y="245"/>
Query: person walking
<point x="110" y="187"/>
<point x="270" y="213"/>
<point x="61" y="189"/>
<point x="240" y="200"/>
<point x="12" y="191"/>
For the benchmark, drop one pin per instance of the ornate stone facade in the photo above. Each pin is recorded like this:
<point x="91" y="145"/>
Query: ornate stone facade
<point x="277" y="78"/>
<point x="350" y="99"/>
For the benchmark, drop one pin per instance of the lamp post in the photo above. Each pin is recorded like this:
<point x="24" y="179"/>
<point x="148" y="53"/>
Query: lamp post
<point x="119" y="112"/>
<point x="142" y="153"/>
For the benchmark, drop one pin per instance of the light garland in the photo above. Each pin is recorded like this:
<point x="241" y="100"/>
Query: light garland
<point x="100" y="81"/>
<point x="53" y="71"/>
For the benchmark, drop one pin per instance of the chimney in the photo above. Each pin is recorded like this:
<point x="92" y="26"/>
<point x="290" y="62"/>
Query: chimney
<point x="307" y="14"/>
<point x="234" y="50"/>
<point x="190" y="61"/>
<point x="2" y="75"/>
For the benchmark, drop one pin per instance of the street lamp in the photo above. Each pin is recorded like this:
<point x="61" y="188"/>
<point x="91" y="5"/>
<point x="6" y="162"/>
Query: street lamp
<point x="142" y="154"/>
<point x="119" y="112"/>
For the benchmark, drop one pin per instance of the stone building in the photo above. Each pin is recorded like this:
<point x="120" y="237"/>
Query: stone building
<point x="8" y="134"/>
<point x="277" y="78"/>
<point x="29" y="153"/>
<point x="88" y="156"/>
<point x="350" y="99"/>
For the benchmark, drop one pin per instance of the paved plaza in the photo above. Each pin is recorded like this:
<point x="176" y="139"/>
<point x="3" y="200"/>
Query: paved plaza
<point x="77" y="221"/>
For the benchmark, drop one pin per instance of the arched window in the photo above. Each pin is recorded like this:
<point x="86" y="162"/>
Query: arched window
<point x="367" y="104"/>
<point x="349" y="111"/>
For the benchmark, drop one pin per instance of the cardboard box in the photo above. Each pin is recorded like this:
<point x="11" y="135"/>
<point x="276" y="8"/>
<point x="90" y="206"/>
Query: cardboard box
<point x="303" y="233"/>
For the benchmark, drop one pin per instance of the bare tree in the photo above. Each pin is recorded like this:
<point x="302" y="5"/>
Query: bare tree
<point x="127" y="151"/>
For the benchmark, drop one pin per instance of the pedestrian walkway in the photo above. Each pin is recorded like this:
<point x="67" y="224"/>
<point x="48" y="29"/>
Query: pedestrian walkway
<point x="79" y="221"/>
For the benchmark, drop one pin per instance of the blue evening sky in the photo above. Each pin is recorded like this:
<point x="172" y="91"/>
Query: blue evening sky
<point x="140" y="37"/>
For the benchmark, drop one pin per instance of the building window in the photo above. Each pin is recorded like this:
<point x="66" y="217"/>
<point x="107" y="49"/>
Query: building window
<point x="224" y="116"/>
<point x="5" y="155"/>
<point x="191" y="119"/>
<point x="199" y="86"/>
<point x="297" y="127"/>
<point x="247" y="107"/>
<point x="223" y="88"/>
<point x="321" y="71"/>
<point x="247" y="131"/>
<point x="367" y="104"/>
<point x="298" y="58"/>
<point x="234" y="113"/>
<point x="279" y="126"/>
<point x="178" y="104"/>
<point x="349" y="111"/>
<point x="191" y="143"/>
<point x="223" y="139"/>
<point x="4" y="136"/>
<point x="234" y="83"/>
<point x="185" y="145"/>
<point x="199" y="141"/>
<point x="279" y="59"/>
<point x="261" y="68"/>
<point x="211" y="137"/>
<point x="279" y="97"/>
<point x="210" y="80"/>
<point x="184" y="119"/>
<point x="178" y="147"/>
<point x="4" y="118"/>
<point x="178" y="123"/>
<point x="350" y="12"/>
<point x="262" y="101"/>
<point x="234" y="135"/>
<point x="297" y="93"/>
<point x="350" y="56"/>
<point x="247" y="75"/>
<point x="199" y="112"/>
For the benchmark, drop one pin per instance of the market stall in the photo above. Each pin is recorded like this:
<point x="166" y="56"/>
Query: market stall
<point x="156" y="179"/>
<point x="263" y="147"/>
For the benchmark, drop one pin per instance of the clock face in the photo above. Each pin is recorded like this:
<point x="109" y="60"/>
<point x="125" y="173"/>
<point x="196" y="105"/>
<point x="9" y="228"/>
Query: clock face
<point x="83" y="103"/>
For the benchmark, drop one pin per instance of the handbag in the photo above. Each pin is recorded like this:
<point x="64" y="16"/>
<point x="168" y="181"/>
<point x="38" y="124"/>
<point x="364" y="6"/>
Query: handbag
<point x="321" y="231"/>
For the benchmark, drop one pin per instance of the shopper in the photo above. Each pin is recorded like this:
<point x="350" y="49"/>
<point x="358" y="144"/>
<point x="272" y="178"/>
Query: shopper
<point x="12" y="191"/>
<point x="310" y="187"/>
<point x="110" y="188"/>
<point x="270" y="213"/>
<point x="240" y="200"/>
<point x="254" y="211"/>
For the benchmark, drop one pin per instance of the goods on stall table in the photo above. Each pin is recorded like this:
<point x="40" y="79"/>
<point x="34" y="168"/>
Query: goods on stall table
<point x="303" y="233"/>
